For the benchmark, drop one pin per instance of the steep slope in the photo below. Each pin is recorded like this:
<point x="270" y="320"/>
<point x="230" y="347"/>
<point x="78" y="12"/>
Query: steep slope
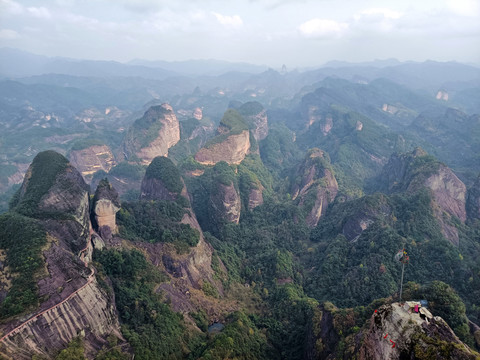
<point x="152" y="135"/>
<point x="396" y="331"/>
<point x="66" y="296"/>
<point x="315" y="185"/>
<point x="105" y="205"/>
<point x="231" y="144"/>
<point x="91" y="159"/>
<point x="256" y="117"/>
<point x="416" y="170"/>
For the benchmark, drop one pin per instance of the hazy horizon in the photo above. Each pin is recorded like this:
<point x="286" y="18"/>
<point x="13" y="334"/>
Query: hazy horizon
<point x="264" y="32"/>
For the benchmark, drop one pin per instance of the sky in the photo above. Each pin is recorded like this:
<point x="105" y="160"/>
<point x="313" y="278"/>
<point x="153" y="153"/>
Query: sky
<point x="297" y="33"/>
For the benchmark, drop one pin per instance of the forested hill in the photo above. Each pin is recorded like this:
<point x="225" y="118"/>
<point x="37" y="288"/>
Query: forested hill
<point x="242" y="217"/>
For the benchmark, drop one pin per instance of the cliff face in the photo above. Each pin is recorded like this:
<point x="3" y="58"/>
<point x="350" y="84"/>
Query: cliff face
<point x="162" y="181"/>
<point x="232" y="150"/>
<point x="256" y="117"/>
<point x="92" y="159"/>
<point x="70" y="300"/>
<point x="315" y="180"/>
<point x="255" y="197"/>
<point x="231" y="144"/>
<point x="397" y="332"/>
<point x="153" y="134"/>
<point x="225" y="204"/>
<point x="53" y="190"/>
<point x="90" y="311"/>
<point x="106" y="204"/>
<point x="416" y="170"/>
<point x="473" y="201"/>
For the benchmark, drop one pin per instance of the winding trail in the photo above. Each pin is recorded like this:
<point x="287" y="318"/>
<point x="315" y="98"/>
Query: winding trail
<point x="90" y="278"/>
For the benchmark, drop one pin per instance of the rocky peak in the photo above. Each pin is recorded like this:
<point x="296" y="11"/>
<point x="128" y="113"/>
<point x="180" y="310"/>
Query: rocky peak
<point x="256" y="117"/>
<point x="106" y="204"/>
<point x="225" y="203"/>
<point x="153" y="134"/>
<point x="397" y="331"/>
<point x="162" y="180"/>
<point x="54" y="190"/>
<point x="315" y="179"/>
<point x="416" y="170"/>
<point x="232" y="143"/>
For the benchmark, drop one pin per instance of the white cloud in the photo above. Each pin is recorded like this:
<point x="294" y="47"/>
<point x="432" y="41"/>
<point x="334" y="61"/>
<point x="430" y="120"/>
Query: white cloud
<point x="470" y="8"/>
<point x="11" y="7"/>
<point x="8" y="34"/>
<point x="379" y="13"/>
<point x="323" y="28"/>
<point x="39" y="12"/>
<point x="234" y="21"/>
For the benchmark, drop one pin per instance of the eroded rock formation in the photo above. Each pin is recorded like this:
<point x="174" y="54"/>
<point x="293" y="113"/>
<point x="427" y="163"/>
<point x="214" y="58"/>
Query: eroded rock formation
<point x="92" y="159"/>
<point x="416" y="170"/>
<point x="315" y="179"/>
<point x="106" y="203"/>
<point x="153" y="134"/>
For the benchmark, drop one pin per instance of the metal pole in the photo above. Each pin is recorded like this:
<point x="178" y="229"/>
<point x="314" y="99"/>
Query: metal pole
<point x="401" y="282"/>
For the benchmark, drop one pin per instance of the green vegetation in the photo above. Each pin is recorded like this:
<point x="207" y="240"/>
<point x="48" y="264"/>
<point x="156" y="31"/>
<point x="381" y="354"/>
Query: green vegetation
<point x="156" y="221"/>
<point x="45" y="168"/>
<point x="233" y="121"/>
<point x="152" y="329"/>
<point x="131" y="171"/>
<point x="163" y="169"/>
<point x="240" y="339"/>
<point x="21" y="238"/>
<point x="74" y="351"/>
<point x="86" y="143"/>
<point x="145" y="129"/>
<point x="250" y="108"/>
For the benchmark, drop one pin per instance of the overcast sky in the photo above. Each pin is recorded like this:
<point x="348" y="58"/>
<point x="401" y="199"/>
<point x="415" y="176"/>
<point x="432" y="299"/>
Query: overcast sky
<point x="270" y="32"/>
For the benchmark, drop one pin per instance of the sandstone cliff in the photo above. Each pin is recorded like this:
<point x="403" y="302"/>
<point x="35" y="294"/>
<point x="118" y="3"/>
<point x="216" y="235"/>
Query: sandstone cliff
<point x="315" y="185"/>
<point x="162" y="181"/>
<point x="53" y="190"/>
<point x="416" y="170"/>
<point x="106" y="204"/>
<point x="231" y="144"/>
<point x="92" y="159"/>
<point x="256" y="117"/>
<point x="397" y="332"/>
<point x="70" y="300"/>
<point x="225" y="204"/>
<point x="153" y="134"/>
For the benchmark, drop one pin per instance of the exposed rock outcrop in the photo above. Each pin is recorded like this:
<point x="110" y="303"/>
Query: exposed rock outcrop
<point x="442" y="95"/>
<point x="396" y="331"/>
<point x="55" y="191"/>
<point x="232" y="150"/>
<point x="315" y="179"/>
<point x="473" y="201"/>
<point x="153" y="134"/>
<point x="231" y="144"/>
<point x="70" y="300"/>
<point x="162" y="181"/>
<point x="225" y="204"/>
<point x="92" y="159"/>
<point x="89" y="310"/>
<point x="255" y="197"/>
<point x="106" y="204"/>
<point x="256" y="117"/>
<point x="416" y="170"/>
